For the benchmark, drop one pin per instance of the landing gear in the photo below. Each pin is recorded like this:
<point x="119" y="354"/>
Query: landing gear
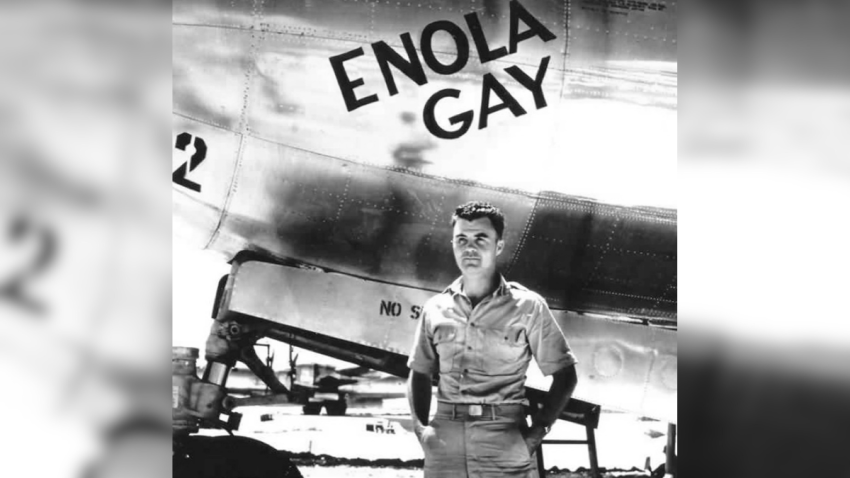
<point x="336" y="408"/>
<point x="229" y="456"/>
<point x="332" y="408"/>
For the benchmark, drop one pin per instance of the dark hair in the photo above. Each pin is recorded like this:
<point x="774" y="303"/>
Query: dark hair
<point x="476" y="210"/>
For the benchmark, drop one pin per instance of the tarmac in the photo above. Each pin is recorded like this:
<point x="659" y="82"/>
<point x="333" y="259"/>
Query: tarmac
<point x="379" y="442"/>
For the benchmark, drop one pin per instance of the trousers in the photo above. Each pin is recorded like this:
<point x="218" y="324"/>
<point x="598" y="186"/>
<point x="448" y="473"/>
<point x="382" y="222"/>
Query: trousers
<point x="483" y="446"/>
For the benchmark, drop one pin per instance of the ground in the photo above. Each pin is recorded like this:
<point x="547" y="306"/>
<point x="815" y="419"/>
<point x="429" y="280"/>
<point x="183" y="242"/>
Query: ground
<point x="366" y="472"/>
<point x="378" y="443"/>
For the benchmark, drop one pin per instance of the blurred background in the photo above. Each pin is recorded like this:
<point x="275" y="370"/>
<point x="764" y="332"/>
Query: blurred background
<point x="764" y="181"/>
<point x="85" y="238"/>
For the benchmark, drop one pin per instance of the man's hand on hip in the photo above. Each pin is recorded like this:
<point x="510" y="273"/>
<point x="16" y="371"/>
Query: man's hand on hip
<point x="422" y="432"/>
<point x="534" y="437"/>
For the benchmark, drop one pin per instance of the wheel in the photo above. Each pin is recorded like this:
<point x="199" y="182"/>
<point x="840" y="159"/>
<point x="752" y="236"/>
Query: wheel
<point x="336" y="408"/>
<point x="312" y="409"/>
<point x="229" y="456"/>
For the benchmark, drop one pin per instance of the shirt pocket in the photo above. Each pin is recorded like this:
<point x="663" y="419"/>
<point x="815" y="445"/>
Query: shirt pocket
<point x="446" y="340"/>
<point x="506" y="350"/>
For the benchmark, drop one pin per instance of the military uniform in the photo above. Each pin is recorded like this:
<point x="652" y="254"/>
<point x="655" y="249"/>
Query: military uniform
<point x="482" y="355"/>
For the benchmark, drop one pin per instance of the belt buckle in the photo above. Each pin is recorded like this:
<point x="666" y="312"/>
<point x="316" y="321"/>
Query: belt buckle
<point x="476" y="410"/>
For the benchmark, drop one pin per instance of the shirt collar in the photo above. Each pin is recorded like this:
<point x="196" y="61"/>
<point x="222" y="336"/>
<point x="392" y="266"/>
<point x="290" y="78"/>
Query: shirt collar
<point x="457" y="287"/>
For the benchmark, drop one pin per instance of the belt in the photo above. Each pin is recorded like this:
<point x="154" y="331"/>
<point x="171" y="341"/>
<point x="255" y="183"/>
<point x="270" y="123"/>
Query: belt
<point x="479" y="411"/>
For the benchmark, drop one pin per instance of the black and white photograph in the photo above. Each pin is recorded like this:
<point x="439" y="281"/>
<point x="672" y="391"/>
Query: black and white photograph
<point x="424" y="239"/>
<point x="401" y="248"/>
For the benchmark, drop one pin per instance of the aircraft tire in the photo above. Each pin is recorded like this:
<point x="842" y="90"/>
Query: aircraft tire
<point x="229" y="456"/>
<point x="336" y="409"/>
<point x="312" y="409"/>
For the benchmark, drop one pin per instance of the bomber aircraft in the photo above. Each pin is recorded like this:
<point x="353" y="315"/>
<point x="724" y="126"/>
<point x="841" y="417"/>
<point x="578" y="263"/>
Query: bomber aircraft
<point x="320" y="147"/>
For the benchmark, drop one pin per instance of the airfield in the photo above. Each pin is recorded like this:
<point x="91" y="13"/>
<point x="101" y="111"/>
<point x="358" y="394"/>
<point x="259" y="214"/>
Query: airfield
<point x="378" y="442"/>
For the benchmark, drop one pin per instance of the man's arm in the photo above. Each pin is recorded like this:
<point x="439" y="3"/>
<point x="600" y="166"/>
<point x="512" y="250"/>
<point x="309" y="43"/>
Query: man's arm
<point x="423" y="363"/>
<point x="553" y="355"/>
<point x="419" y="397"/>
<point x="563" y="384"/>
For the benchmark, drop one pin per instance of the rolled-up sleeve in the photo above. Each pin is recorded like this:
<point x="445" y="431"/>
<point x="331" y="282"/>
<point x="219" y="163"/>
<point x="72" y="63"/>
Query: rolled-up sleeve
<point x="423" y="356"/>
<point x="546" y="339"/>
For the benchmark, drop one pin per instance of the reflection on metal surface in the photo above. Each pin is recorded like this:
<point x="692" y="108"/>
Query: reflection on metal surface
<point x="608" y="361"/>
<point x="393" y="225"/>
<point x="670" y="373"/>
<point x="290" y="173"/>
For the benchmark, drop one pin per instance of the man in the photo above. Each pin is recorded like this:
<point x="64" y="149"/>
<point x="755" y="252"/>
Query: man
<point x="480" y="334"/>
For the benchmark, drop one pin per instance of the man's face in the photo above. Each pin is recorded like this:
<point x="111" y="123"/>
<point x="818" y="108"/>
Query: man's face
<point x="476" y="246"/>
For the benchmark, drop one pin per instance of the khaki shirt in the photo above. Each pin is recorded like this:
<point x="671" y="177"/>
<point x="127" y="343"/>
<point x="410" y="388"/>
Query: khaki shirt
<point x="482" y="354"/>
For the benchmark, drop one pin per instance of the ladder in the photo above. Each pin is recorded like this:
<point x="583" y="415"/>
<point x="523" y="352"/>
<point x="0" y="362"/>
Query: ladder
<point x="580" y="413"/>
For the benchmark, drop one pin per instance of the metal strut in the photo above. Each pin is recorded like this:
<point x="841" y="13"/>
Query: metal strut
<point x="670" y="451"/>
<point x="579" y="412"/>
